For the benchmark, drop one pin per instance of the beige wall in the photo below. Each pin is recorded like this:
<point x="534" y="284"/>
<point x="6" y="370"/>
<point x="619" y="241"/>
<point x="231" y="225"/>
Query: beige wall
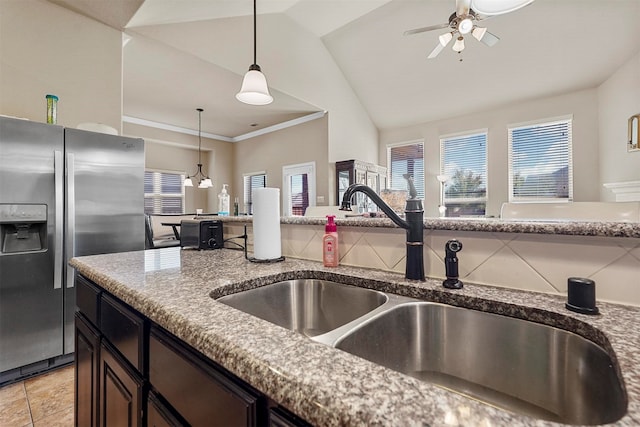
<point x="582" y="105"/>
<point x="303" y="143"/>
<point x="43" y="52"/>
<point x="618" y="99"/>
<point x="172" y="151"/>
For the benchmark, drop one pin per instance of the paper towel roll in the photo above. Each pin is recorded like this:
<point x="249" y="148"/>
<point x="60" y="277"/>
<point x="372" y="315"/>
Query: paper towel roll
<point x="266" y="223"/>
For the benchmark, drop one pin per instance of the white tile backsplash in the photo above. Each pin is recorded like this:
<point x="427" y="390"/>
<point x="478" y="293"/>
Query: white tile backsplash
<point x="537" y="262"/>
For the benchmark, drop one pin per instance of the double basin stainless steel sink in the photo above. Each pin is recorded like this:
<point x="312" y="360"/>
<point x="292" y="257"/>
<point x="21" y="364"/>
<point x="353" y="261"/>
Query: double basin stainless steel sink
<point x="518" y="365"/>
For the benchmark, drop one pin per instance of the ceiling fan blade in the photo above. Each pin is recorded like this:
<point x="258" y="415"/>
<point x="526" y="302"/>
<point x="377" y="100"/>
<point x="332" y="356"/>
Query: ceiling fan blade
<point x="436" y="51"/>
<point x="424" y="29"/>
<point x="490" y="39"/>
<point x="462" y="7"/>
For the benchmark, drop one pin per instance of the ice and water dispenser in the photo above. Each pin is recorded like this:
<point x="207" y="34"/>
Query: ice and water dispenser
<point x="23" y="228"/>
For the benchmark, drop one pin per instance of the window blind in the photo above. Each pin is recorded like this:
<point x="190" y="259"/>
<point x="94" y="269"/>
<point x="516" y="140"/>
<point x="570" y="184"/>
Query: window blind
<point x="464" y="160"/>
<point x="406" y="159"/>
<point x="251" y="182"/>
<point x="163" y="192"/>
<point x="540" y="162"/>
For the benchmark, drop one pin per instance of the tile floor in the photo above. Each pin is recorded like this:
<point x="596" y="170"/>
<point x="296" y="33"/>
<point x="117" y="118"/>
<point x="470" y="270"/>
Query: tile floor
<point x="42" y="401"/>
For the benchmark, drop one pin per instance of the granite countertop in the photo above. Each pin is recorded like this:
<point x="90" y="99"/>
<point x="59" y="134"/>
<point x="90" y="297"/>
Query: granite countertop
<point x="565" y="227"/>
<point x="325" y="386"/>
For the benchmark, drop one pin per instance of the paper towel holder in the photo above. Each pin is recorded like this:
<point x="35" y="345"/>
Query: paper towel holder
<point x="252" y="259"/>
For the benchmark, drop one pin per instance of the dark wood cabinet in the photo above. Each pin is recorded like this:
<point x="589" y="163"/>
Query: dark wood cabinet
<point x="120" y="394"/>
<point x="279" y="417"/>
<point x="87" y="341"/>
<point x="159" y="414"/>
<point x="197" y="389"/>
<point x="357" y="172"/>
<point x="125" y="329"/>
<point x="131" y="372"/>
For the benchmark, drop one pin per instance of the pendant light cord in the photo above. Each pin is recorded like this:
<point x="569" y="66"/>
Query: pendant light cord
<point x="200" y="110"/>
<point x="255" y="61"/>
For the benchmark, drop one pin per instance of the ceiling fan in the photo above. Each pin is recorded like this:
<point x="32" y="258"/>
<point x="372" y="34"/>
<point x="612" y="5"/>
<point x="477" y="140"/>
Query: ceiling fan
<point x="465" y="19"/>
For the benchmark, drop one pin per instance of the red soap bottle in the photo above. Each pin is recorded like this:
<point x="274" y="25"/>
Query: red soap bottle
<point x="330" y="254"/>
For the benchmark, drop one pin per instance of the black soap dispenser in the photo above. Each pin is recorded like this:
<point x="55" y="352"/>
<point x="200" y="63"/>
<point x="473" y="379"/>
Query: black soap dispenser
<point x="581" y="295"/>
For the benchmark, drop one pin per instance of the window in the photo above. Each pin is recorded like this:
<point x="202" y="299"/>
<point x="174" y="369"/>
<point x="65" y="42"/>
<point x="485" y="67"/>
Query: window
<point x="163" y="192"/>
<point x="540" y="164"/>
<point x="463" y="161"/>
<point x="252" y="181"/>
<point x="406" y="159"/>
<point x="298" y="188"/>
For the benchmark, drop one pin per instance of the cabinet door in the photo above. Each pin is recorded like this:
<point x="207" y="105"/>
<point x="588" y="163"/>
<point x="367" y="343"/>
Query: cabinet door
<point x="87" y="342"/>
<point x="199" y="391"/>
<point x="124" y="328"/>
<point x="279" y="417"/>
<point x="120" y="393"/>
<point x="158" y="415"/>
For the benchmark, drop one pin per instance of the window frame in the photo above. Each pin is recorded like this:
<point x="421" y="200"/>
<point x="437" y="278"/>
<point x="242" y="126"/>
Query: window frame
<point x="288" y="171"/>
<point x="157" y="193"/>
<point x="420" y="186"/>
<point x="552" y="121"/>
<point x="465" y="200"/>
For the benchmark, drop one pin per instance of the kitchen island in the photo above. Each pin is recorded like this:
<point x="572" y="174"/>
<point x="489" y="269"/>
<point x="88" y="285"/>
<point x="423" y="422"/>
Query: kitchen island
<point x="176" y="290"/>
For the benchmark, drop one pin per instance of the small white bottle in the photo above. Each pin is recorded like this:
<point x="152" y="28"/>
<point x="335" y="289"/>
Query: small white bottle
<point x="223" y="201"/>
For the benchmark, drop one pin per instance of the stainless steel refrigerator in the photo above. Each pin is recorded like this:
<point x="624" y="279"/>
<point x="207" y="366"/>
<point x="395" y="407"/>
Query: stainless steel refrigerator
<point x="63" y="193"/>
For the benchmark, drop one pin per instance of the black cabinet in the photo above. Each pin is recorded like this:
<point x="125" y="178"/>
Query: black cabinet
<point x="159" y="414"/>
<point x="357" y="172"/>
<point x="120" y="394"/>
<point x="87" y="341"/>
<point x="130" y="372"/>
<point x="200" y="392"/>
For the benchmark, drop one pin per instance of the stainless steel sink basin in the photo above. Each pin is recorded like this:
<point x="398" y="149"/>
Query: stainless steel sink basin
<point x="308" y="306"/>
<point x="521" y="366"/>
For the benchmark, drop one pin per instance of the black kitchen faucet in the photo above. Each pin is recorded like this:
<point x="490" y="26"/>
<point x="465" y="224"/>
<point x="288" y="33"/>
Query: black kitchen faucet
<point x="413" y="224"/>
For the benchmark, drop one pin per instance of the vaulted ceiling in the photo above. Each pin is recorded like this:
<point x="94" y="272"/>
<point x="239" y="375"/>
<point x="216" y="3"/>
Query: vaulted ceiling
<point x="185" y="54"/>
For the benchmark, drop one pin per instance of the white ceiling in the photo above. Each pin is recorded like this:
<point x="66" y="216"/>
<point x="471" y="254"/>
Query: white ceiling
<point x="192" y="53"/>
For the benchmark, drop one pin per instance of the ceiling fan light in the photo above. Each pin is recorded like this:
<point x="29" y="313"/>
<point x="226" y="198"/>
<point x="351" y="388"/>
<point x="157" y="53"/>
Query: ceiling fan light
<point x="445" y="39"/>
<point x="479" y="32"/>
<point x="458" y="46"/>
<point x="254" y="90"/>
<point x="465" y="26"/>
<point x="498" y="7"/>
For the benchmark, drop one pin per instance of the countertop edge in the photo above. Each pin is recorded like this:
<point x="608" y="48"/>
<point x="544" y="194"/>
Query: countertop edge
<point x="339" y="403"/>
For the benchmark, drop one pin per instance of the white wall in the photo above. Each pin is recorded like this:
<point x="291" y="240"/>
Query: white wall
<point x="48" y="49"/>
<point x="583" y="106"/>
<point x="618" y="99"/>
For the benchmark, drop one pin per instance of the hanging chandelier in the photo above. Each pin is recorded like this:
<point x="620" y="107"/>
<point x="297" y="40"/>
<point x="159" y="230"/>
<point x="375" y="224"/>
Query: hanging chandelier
<point x="203" y="179"/>
<point x="254" y="90"/>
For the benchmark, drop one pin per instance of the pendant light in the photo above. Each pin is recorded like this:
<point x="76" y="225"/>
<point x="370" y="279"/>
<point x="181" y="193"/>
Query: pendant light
<point x="203" y="180"/>
<point x="254" y="89"/>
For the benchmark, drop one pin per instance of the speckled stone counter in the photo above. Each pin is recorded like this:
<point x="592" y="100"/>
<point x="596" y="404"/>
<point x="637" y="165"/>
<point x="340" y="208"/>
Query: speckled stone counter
<point x="327" y="387"/>
<point x="571" y="228"/>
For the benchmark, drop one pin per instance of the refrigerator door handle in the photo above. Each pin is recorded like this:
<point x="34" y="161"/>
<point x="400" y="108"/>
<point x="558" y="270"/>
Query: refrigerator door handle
<point x="71" y="216"/>
<point x="58" y="168"/>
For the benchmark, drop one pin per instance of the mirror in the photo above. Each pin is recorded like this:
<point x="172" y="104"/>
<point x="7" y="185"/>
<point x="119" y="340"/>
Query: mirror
<point x="634" y="130"/>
